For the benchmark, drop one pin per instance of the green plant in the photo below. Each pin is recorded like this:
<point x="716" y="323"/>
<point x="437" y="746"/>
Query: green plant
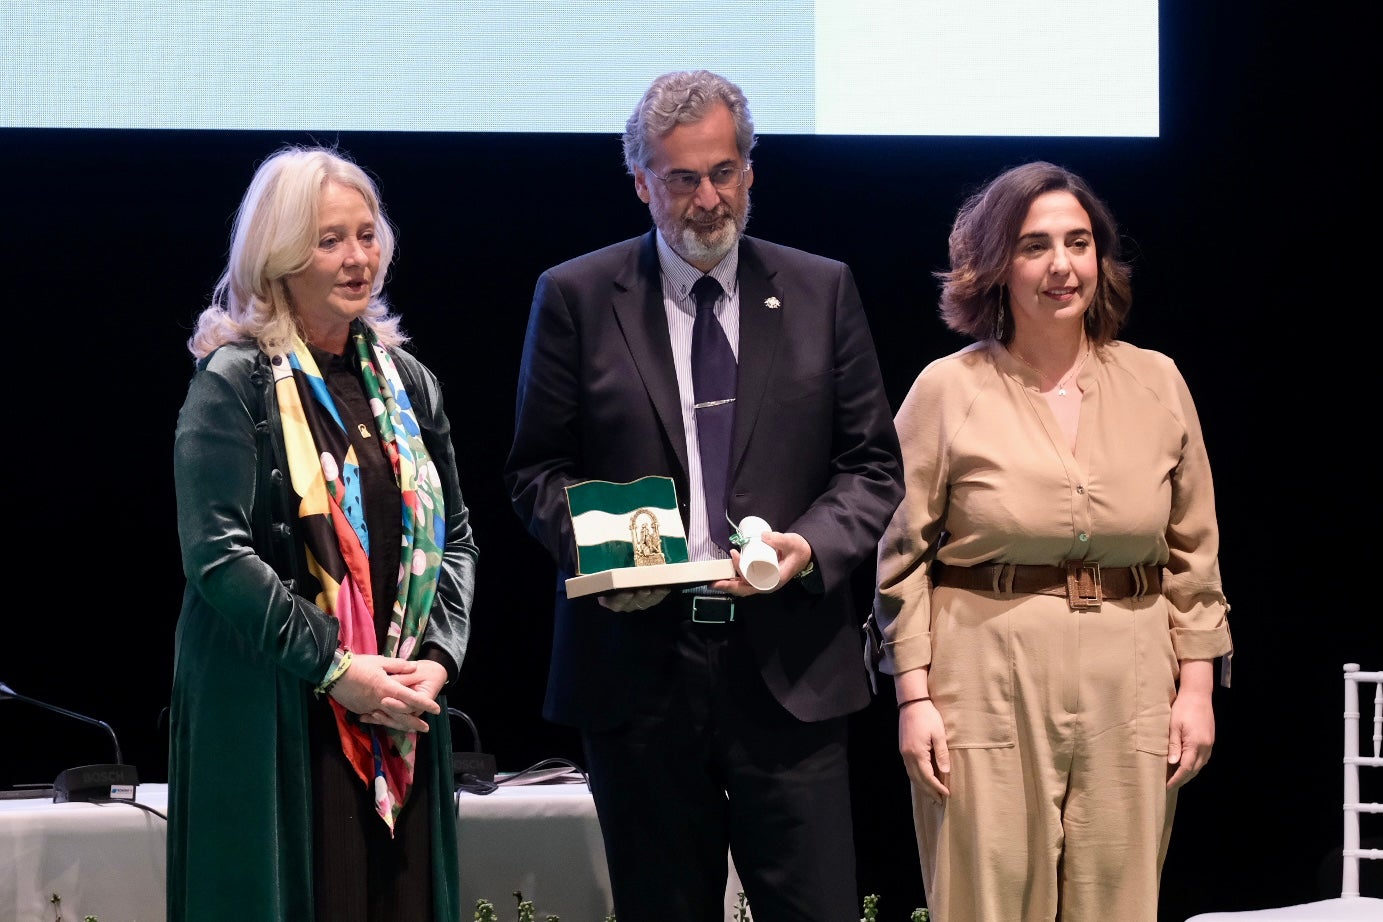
<point x="485" y="911"/>
<point x="871" y="911"/>
<point x="56" y="902"/>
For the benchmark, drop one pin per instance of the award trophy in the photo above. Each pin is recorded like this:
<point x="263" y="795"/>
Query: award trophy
<point x="630" y="536"/>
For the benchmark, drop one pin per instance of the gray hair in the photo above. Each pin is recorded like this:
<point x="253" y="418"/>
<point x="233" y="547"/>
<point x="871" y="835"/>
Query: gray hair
<point x="681" y="98"/>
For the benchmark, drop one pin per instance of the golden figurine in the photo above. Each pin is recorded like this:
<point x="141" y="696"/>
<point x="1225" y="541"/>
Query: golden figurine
<point x="643" y="530"/>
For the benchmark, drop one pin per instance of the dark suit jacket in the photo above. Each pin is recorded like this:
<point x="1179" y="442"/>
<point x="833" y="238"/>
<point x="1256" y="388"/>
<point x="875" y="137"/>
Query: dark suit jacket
<point x="814" y="452"/>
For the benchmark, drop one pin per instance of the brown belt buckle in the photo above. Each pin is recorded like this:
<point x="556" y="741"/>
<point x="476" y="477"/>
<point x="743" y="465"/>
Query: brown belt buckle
<point x="1084" y="590"/>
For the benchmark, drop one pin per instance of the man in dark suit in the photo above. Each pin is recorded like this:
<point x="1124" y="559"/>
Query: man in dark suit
<point x="712" y="716"/>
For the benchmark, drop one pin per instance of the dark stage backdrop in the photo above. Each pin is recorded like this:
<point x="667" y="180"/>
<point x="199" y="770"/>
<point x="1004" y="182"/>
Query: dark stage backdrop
<point x="1233" y="221"/>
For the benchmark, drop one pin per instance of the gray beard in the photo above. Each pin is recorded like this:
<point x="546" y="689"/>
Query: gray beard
<point x="695" y="249"/>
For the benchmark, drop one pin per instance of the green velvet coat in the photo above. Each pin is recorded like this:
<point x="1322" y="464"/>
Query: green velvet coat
<point x="251" y="646"/>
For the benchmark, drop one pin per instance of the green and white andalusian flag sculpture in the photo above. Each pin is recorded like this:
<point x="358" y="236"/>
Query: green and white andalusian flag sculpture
<point x="626" y="524"/>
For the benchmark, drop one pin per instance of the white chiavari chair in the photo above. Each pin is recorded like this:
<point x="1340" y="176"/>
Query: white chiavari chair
<point x="1350" y="906"/>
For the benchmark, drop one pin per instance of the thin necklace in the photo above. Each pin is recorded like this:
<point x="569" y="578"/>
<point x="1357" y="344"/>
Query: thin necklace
<point x="1060" y="385"/>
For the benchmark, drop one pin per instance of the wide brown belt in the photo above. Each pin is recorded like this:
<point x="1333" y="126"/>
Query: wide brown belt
<point x="1085" y="585"/>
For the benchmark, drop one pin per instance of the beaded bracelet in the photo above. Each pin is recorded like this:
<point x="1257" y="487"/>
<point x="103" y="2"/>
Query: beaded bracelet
<point x="903" y="704"/>
<point x="340" y="662"/>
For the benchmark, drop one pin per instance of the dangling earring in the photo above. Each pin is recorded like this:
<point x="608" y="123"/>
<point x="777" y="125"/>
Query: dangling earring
<point x="999" y="319"/>
<point x="1089" y="318"/>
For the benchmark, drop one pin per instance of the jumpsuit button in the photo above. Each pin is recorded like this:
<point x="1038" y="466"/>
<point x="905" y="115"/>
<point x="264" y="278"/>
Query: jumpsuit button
<point x="1080" y="490"/>
<point x="1083" y="536"/>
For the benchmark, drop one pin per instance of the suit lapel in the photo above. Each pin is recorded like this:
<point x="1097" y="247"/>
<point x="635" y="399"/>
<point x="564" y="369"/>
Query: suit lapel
<point x="638" y="306"/>
<point x="761" y="321"/>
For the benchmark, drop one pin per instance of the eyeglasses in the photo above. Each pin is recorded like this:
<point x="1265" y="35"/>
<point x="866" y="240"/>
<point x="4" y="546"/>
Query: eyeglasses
<point x="685" y="182"/>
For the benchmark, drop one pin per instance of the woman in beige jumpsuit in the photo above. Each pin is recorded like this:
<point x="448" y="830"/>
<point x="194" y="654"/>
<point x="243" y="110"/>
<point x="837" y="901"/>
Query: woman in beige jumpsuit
<point x="1049" y="591"/>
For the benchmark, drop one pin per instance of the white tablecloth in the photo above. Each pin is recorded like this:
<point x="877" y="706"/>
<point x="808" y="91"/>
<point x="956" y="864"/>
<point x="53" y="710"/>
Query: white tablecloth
<point x="76" y="860"/>
<point x="108" y="860"/>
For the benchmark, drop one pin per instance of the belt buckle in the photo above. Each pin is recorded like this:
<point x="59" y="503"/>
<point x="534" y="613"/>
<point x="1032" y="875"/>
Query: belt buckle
<point x="1084" y="586"/>
<point x="717" y="611"/>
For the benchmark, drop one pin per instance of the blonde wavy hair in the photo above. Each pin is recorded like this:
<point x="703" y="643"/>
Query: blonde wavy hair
<point x="273" y="238"/>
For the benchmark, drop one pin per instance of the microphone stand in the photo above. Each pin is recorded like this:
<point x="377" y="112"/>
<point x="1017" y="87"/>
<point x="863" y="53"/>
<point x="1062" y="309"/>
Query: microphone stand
<point x="102" y="781"/>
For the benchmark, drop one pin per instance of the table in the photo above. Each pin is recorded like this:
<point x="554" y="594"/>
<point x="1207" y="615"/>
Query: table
<point x="542" y="840"/>
<point x="103" y="860"/>
<point x="109" y="860"/>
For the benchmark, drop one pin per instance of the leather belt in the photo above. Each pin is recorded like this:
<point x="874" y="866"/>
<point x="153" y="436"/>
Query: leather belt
<point x="708" y="609"/>
<point x="1084" y="585"/>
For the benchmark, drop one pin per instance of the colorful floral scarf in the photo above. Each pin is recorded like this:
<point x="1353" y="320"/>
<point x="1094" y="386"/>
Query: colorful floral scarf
<point x="326" y="476"/>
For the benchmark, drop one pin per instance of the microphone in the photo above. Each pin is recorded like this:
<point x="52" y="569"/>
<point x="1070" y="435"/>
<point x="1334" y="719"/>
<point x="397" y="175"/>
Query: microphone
<point x="103" y="781"/>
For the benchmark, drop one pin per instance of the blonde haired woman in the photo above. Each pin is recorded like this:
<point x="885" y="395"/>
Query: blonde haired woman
<point x="330" y="569"/>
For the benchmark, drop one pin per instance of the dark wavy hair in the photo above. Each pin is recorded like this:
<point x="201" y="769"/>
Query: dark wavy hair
<point x="984" y="239"/>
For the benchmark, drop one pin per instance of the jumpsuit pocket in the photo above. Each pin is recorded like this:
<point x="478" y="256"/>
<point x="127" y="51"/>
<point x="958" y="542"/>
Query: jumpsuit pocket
<point x="971" y="676"/>
<point x="1156" y="669"/>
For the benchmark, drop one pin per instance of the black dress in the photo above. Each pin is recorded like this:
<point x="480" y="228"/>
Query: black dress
<point x="360" y="873"/>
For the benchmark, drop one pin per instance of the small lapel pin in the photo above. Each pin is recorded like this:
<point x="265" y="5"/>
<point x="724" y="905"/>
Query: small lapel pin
<point x="772" y="303"/>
